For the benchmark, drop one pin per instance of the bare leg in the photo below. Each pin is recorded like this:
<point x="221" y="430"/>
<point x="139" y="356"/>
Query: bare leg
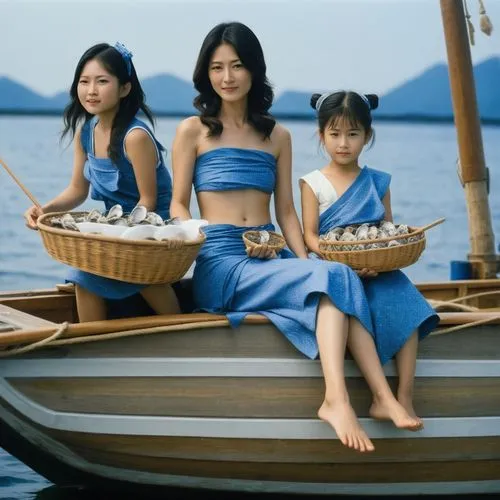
<point x="336" y="410"/>
<point x="90" y="307"/>
<point x="406" y="362"/>
<point x="162" y="299"/>
<point x="385" y="406"/>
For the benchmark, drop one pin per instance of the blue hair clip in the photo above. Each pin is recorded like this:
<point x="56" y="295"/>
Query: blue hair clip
<point x="126" y="54"/>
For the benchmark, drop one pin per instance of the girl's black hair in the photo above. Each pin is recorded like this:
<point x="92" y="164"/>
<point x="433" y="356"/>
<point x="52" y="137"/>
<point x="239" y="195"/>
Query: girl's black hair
<point x="260" y="96"/>
<point x="346" y="105"/>
<point x="130" y="105"/>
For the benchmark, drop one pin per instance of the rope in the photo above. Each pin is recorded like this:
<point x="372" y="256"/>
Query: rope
<point x="467" y="325"/>
<point x="443" y="304"/>
<point x="36" y="345"/>
<point x="139" y="331"/>
<point x="470" y="26"/>
<point x="454" y="304"/>
<point x="54" y="340"/>
<point x="474" y="296"/>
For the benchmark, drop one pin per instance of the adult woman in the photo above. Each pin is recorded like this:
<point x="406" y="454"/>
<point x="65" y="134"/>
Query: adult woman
<point x="237" y="155"/>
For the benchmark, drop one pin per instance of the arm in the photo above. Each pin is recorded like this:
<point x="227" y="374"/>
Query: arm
<point x="143" y="155"/>
<point x="285" y="211"/>
<point x="184" y="152"/>
<point x="387" y="205"/>
<point x="310" y="217"/>
<point x="75" y="194"/>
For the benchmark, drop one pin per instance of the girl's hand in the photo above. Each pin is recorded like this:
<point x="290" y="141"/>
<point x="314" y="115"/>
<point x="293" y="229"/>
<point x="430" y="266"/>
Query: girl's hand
<point x="31" y="215"/>
<point x="261" y="252"/>
<point x="366" y="273"/>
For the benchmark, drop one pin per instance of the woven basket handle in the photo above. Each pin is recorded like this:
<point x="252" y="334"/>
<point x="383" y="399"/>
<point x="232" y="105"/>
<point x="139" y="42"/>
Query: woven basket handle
<point x="432" y="224"/>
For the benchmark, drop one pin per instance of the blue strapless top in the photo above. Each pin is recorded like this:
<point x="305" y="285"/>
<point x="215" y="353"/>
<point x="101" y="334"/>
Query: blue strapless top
<point x="225" y="169"/>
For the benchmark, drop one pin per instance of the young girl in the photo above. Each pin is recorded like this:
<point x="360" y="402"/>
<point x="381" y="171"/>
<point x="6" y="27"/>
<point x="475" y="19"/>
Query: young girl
<point x="237" y="156"/>
<point x="118" y="157"/>
<point x="343" y="193"/>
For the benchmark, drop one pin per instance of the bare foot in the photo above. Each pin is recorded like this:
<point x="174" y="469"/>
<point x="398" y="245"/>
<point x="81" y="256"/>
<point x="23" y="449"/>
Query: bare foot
<point x="407" y="403"/>
<point x="393" y="410"/>
<point x="342" y="418"/>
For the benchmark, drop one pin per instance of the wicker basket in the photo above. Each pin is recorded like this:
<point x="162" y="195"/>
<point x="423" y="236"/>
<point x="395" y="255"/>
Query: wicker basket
<point x="143" y="262"/>
<point x="276" y="241"/>
<point x="378" y="259"/>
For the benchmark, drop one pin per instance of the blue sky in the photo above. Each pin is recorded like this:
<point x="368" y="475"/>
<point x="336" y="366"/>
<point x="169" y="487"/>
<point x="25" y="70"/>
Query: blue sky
<point x="369" y="45"/>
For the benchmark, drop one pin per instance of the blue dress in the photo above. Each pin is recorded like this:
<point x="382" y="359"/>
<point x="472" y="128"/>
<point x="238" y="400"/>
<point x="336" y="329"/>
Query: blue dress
<point x="286" y="290"/>
<point x="397" y="308"/>
<point x="114" y="183"/>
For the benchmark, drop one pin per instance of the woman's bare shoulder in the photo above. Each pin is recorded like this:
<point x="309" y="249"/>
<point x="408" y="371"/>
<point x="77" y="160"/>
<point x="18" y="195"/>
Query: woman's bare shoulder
<point x="190" y="127"/>
<point x="281" y="136"/>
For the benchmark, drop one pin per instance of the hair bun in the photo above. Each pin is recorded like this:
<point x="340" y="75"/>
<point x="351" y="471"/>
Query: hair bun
<point x="373" y="100"/>
<point x="314" y="100"/>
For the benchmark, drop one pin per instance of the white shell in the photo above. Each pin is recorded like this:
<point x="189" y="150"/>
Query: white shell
<point x="94" y="215"/>
<point x="68" y="222"/>
<point x="154" y="218"/>
<point x="362" y="232"/>
<point x="138" y="214"/>
<point x="264" y="237"/>
<point x="114" y="213"/>
<point x="394" y="243"/>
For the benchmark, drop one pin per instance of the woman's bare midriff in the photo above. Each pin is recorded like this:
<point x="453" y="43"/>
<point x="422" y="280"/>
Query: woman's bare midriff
<point x="247" y="207"/>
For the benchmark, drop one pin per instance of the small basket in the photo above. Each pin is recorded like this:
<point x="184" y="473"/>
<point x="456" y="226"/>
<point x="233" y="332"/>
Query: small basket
<point x="378" y="259"/>
<point x="276" y="241"/>
<point x="143" y="261"/>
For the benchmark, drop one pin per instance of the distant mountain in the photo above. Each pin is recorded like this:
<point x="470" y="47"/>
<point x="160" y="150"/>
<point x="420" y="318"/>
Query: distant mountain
<point x="429" y="93"/>
<point x="293" y="102"/>
<point x="427" y="96"/>
<point x="13" y="95"/>
<point x="168" y="93"/>
<point x="59" y="101"/>
<point x="164" y="94"/>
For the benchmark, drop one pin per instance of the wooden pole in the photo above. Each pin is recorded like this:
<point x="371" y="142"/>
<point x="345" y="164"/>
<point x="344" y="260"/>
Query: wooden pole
<point x="470" y="145"/>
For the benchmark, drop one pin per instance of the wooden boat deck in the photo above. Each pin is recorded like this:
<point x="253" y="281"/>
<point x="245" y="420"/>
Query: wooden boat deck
<point x="221" y="409"/>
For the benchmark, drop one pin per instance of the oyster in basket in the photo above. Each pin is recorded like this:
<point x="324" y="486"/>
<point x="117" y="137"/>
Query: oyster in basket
<point x="362" y="232"/>
<point x="264" y="237"/>
<point x="394" y="243"/>
<point x="153" y="218"/>
<point x="388" y="227"/>
<point x="402" y="229"/>
<point x="372" y="233"/>
<point x="114" y="213"/>
<point x="138" y="214"/>
<point x="95" y="216"/>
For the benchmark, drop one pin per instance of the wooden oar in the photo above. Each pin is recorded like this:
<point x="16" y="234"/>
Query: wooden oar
<point x="432" y="224"/>
<point x="20" y="184"/>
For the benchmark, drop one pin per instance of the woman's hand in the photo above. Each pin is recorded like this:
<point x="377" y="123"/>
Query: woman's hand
<point x="31" y="215"/>
<point x="261" y="252"/>
<point x="366" y="273"/>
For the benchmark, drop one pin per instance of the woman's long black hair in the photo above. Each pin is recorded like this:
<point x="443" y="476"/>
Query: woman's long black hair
<point x="130" y="105"/>
<point x="260" y="96"/>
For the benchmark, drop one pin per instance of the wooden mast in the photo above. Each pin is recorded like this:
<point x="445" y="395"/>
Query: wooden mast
<point x="470" y="144"/>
